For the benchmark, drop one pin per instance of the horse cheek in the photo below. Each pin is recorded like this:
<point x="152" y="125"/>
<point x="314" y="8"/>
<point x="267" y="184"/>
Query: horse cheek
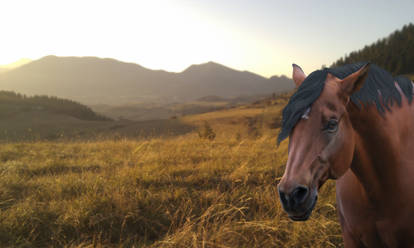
<point x="343" y="159"/>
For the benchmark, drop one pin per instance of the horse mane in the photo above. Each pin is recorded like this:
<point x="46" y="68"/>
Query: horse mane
<point x="379" y="89"/>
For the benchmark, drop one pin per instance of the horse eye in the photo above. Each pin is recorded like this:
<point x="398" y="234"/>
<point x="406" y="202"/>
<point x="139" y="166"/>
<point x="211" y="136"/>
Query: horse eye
<point x="331" y="126"/>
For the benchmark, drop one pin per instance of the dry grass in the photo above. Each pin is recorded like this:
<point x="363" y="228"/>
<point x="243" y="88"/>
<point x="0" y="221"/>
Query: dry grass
<point x="177" y="192"/>
<point x="172" y="192"/>
<point x="235" y="121"/>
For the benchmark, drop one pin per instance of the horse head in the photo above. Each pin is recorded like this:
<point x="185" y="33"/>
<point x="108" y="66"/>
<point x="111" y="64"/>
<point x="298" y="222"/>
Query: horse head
<point x="321" y="139"/>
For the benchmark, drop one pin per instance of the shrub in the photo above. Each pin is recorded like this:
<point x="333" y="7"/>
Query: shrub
<point x="206" y="132"/>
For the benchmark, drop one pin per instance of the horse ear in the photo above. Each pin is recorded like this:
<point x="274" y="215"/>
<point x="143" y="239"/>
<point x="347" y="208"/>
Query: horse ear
<point x="354" y="82"/>
<point x="298" y="75"/>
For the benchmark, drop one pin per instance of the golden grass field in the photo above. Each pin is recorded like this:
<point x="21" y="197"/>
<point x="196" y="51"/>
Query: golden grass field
<point x="181" y="191"/>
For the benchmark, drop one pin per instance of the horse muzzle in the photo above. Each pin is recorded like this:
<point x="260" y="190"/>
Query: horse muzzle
<point x="299" y="202"/>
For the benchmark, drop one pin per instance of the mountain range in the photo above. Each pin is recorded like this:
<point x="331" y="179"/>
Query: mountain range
<point x="93" y="80"/>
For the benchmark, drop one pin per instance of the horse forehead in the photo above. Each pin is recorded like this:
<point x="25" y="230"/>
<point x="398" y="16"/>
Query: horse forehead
<point x="329" y="95"/>
<point x="328" y="102"/>
<point x="331" y="88"/>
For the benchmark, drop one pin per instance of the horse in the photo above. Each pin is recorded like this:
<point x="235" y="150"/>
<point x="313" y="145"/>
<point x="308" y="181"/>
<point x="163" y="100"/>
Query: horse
<point x="353" y="124"/>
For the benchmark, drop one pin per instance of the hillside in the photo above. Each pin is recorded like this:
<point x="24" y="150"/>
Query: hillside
<point x="44" y="126"/>
<point x="94" y="80"/>
<point x="37" y="118"/>
<point x="12" y="104"/>
<point x="155" y="111"/>
<point x="40" y="118"/>
<point x="24" y="118"/>
<point x="394" y="53"/>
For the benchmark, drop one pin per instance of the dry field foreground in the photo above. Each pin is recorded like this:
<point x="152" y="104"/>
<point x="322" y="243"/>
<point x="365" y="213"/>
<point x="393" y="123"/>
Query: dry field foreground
<point x="173" y="192"/>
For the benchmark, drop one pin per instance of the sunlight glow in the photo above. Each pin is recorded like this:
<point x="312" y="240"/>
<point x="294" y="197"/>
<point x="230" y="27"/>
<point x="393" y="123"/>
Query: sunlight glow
<point x="264" y="37"/>
<point x="168" y="35"/>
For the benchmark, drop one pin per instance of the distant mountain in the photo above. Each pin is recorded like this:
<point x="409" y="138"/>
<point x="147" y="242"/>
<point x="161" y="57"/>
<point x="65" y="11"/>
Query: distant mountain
<point x="94" y="80"/>
<point x="394" y="53"/>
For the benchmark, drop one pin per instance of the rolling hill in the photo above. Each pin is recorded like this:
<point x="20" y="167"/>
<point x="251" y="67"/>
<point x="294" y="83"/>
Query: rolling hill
<point x="92" y="80"/>
<point x="12" y="104"/>
<point x="24" y="118"/>
<point x="41" y="118"/>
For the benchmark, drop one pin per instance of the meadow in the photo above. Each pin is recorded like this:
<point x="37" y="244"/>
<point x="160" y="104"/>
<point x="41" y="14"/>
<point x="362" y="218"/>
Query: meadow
<point x="175" y="191"/>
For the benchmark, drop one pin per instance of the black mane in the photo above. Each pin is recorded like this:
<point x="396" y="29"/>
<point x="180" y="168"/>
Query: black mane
<point x="378" y="82"/>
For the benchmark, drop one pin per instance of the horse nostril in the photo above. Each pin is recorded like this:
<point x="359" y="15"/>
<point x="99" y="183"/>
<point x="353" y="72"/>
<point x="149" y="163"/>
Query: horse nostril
<point x="283" y="198"/>
<point x="300" y="193"/>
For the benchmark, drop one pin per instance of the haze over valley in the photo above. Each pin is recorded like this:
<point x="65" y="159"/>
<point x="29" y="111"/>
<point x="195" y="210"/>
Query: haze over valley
<point x="92" y="80"/>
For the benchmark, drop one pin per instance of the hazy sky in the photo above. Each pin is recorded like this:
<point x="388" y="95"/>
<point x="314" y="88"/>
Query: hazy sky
<point x="264" y="37"/>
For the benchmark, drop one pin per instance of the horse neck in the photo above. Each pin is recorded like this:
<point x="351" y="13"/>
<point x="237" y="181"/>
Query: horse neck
<point x="376" y="152"/>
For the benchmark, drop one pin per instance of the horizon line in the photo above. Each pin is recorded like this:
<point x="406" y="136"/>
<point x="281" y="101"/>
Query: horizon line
<point x="10" y="66"/>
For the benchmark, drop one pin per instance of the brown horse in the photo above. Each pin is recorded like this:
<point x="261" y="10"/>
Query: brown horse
<point x="354" y="124"/>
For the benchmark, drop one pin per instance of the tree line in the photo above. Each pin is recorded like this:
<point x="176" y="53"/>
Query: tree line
<point x="13" y="103"/>
<point x="394" y="53"/>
